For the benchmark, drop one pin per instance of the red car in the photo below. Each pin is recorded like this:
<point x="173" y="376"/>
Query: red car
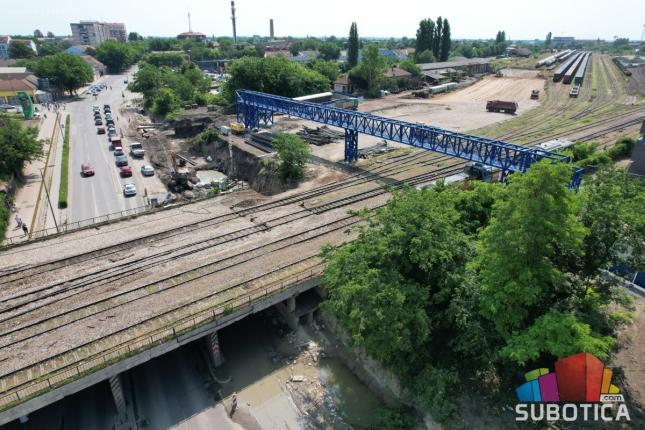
<point x="87" y="169"/>
<point x="100" y="130"/>
<point x="126" y="171"/>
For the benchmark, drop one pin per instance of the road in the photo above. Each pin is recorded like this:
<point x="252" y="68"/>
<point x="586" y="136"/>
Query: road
<point x="102" y="193"/>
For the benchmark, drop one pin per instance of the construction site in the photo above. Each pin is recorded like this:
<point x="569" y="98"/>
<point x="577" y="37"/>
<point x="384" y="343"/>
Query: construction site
<point x="100" y="300"/>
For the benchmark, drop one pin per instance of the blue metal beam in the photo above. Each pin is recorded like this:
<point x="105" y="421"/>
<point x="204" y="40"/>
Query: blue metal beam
<point x="254" y="106"/>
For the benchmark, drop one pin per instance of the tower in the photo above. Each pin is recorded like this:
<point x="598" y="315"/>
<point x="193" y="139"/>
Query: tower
<point x="233" y="20"/>
<point x="271" y="34"/>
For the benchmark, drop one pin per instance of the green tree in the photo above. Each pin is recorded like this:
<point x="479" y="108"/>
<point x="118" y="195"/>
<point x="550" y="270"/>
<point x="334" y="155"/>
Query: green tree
<point x="170" y="59"/>
<point x="294" y="154"/>
<point x="18" y="145"/>
<point x="436" y="43"/>
<point x="20" y="49"/>
<point x="409" y="66"/>
<point x="425" y="57"/>
<point x="115" y="55"/>
<point x="66" y="72"/>
<point x="425" y="36"/>
<point x="38" y="33"/>
<point x="50" y="34"/>
<point x="329" y="69"/>
<point x="547" y="42"/>
<point x="446" y="42"/>
<point x="329" y="51"/>
<point x="371" y="70"/>
<point x="133" y="36"/>
<point x="165" y="102"/>
<point x="352" y="46"/>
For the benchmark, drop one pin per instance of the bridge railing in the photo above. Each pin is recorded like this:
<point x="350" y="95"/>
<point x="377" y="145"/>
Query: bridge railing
<point x="157" y="337"/>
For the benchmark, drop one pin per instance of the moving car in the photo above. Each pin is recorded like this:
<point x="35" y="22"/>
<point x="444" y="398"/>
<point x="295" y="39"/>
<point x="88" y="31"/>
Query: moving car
<point x="118" y="150"/>
<point x="100" y="130"/>
<point x="121" y="160"/>
<point x="98" y="121"/>
<point x="136" y="150"/>
<point x="129" y="190"/>
<point x="125" y="172"/>
<point x="87" y="169"/>
<point x="96" y="108"/>
<point x="147" y="170"/>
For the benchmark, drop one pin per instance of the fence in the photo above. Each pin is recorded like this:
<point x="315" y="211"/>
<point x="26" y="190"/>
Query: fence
<point x="157" y="337"/>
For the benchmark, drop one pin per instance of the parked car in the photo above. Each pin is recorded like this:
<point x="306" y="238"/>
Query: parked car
<point x="98" y="121"/>
<point x="100" y="130"/>
<point x="129" y="190"/>
<point x="125" y="172"/>
<point x="147" y="170"/>
<point x="121" y="160"/>
<point x="87" y="169"/>
<point x="136" y="150"/>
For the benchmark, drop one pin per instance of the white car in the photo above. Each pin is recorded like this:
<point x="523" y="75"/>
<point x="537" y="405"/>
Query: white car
<point x="147" y="170"/>
<point x="129" y="190"/>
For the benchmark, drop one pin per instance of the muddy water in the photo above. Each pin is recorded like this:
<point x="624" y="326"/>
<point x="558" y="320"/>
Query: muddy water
<point x="281" y="384"/>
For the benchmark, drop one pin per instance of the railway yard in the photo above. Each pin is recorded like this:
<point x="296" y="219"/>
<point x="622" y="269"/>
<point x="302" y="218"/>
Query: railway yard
<point x="90" y="297"/>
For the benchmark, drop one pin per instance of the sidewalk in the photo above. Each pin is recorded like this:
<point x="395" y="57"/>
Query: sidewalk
<point x="30" y="199"/>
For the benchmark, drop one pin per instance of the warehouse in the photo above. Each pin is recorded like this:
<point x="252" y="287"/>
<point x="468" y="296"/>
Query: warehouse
<point x="453" y="69"/>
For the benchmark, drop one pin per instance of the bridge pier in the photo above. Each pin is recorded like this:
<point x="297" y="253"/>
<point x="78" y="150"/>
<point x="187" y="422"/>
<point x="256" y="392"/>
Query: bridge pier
<point x="119" y="397"/>
<point x="212" y="342"/>
<point x="287" y="310"/>
<point x="351" y="146"/>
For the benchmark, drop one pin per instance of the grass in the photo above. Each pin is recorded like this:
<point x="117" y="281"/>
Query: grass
<point x="64" y="170"/>
<point x="594" y="77"/>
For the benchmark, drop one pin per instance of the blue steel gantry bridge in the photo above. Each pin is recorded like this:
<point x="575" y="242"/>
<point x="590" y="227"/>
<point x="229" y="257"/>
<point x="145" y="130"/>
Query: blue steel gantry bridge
<point x="255" y="107"/>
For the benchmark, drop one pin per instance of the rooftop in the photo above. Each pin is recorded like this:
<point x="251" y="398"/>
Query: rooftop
<point x="458" y="63"/>
<point x="16" y="85"/>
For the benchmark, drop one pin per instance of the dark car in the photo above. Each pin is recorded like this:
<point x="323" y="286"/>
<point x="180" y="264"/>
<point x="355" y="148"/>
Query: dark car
<point x="125" y="172"/>
<point x="100" y="130"/>
<point x="98" y="121"/>
<point x="87" y="169"/>
<point x="121" y="160"/>
<point x="106" y="106"/>
<point x="109" y="122"/>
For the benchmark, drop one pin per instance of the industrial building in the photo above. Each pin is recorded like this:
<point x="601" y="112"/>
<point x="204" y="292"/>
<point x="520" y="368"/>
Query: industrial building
<point x="446" y="70"/>
<point x="562" y="41"/>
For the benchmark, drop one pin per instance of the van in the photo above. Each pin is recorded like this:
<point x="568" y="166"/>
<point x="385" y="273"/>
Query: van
<point x="115" y="141"/>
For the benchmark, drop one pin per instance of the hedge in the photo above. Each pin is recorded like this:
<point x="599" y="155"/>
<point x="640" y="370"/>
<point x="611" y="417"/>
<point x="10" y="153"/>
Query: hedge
<point x="64" y="168"/>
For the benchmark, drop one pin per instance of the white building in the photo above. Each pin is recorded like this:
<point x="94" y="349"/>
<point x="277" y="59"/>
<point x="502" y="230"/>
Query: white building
<point x="90" y="32"/>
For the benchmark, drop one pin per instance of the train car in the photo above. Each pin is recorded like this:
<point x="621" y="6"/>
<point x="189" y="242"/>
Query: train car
<point x="575" y="90"/>
<point x="560" y="71"/>
<point x="571" y="71"/>
<point x="501" y="106"/>
<point x="582" y="69"/>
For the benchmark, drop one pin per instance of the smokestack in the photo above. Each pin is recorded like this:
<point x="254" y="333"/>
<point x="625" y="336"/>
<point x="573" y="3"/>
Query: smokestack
<point x="271" y="28"/>
<point x="190" y="27"/>
<point x="233" y="20"/>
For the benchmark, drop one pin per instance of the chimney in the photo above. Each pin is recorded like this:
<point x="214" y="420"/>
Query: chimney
<point x="233" y="20"/>
<point x="271" y="34"/>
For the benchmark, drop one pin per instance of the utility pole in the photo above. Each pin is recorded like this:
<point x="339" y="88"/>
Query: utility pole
<point x="49" y="200"/>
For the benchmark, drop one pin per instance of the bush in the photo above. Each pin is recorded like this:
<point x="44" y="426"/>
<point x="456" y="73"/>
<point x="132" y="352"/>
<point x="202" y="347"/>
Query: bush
<point x="64" y="168"/>
<point x="294" y="154"/>
<point x="622" y="149"/>
<point x="5" y="203"/>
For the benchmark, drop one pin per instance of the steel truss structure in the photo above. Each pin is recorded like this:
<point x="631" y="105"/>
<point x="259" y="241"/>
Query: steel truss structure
<point x="254" y="107"/>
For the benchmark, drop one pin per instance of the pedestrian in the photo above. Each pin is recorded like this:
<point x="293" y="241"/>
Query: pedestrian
<point x="233" y="404"/>
<point x="18" y="220"/>
<point x="24" y="228"/>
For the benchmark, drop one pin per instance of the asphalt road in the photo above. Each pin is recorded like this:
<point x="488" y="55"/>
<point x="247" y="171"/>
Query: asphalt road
<point x="102" y="193"/>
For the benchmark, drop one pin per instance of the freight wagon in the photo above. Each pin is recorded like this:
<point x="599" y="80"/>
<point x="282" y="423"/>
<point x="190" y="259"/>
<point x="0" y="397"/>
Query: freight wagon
<point x="501" y="106"/>
<point x="560" y="72"/>
<point x="580" y="74"/>
<point x="568" y="76"/>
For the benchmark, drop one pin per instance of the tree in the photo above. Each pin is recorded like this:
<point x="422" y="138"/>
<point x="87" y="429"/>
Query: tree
<point x="547" y="42"/>
<point x="18" y="145"/>
<point x="425" y="36"/>
<point x="66" y="72"/>
<point x="329" y="69"/>
<point x="38" y="33"/>
<point x="294" y="154"/>
<point x="436" y="43"/>
<point x="352" y="46"/>
<point x="133" y="36"/>
<point x="409" y="66"/>
<point x="445" y="41"/>
<point x="371" y="70"/>
<point x="115" y="55"/>
<point x="425" y="57"/>
<point x="50" y="34"/>
<point x="170" y="59"/>
<point x="165" y="102"/>
<point x="20" y="49"/>
<point x="329" y="51"/>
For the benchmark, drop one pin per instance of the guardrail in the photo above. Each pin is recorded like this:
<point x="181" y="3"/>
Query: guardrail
<point x="157" y="337"/>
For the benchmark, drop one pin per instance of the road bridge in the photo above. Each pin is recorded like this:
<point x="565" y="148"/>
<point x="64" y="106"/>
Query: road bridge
<point x="255" y="107"/>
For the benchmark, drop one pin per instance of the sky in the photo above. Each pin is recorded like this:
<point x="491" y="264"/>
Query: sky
<point x="469" y="19"/>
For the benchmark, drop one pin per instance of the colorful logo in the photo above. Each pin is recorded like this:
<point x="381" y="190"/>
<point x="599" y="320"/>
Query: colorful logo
<point x="579" y="378"/>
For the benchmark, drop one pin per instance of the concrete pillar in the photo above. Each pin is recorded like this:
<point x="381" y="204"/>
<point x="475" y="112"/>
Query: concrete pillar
<point x="212" y="341"/>
<point x="309" y="318"/>
<point x="286" y="310"/>
<point x="119" y="396"/>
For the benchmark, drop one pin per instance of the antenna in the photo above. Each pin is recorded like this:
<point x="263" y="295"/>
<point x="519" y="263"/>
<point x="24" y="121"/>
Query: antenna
<point x="233" y="20"/>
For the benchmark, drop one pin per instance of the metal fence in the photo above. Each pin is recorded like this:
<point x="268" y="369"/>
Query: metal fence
<point x="162" y="335"/>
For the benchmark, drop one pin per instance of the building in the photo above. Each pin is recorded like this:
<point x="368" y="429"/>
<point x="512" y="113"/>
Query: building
<point x="472" y="66"/>
<point x="398" y="78"/>
<point x="77" y="50"/>
<point x="98" y="68"/>
<point x="343" y="85"/>
<point x="118" y="31"/>
<point x="91" y="33"/>
<point x="4" y="47"/>
<point x="561" y="41"/>
<point x="192" y="35"/>
<point x="514" y="51"/>
<point x="15" y="79"/>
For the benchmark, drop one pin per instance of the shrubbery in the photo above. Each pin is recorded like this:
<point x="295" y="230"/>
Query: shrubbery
<point x="64" y="168"/>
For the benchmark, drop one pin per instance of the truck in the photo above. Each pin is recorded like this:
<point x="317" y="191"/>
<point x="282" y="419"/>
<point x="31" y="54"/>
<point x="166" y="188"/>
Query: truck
<point x="501" y="106"/>
<point x="136" y="150"/>
<point x="535" y="94"/>
<point x="116" y="142"/>
<point x="237" y="128"/>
